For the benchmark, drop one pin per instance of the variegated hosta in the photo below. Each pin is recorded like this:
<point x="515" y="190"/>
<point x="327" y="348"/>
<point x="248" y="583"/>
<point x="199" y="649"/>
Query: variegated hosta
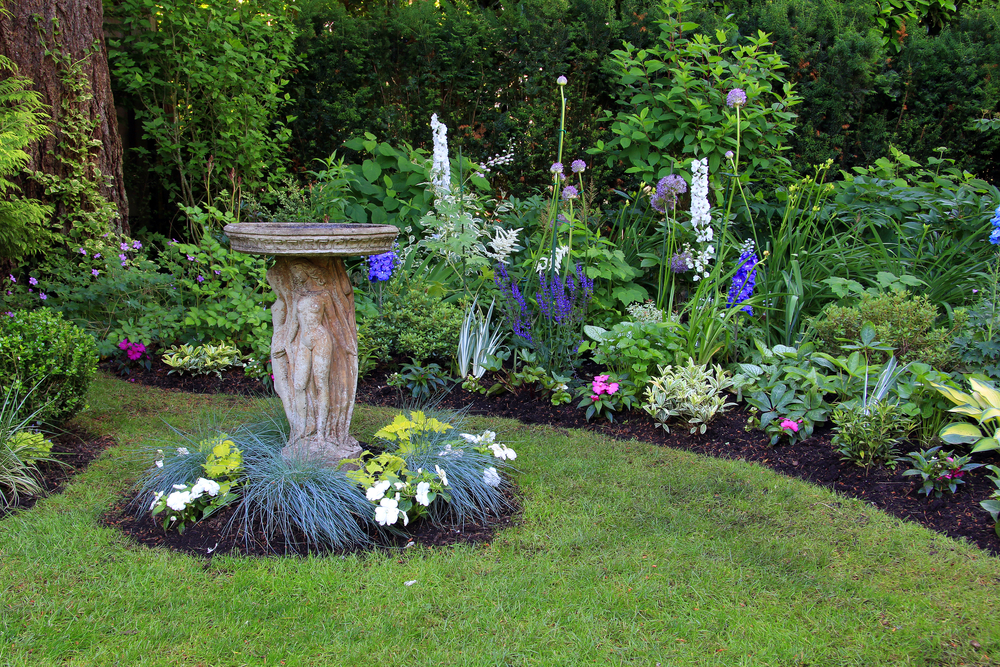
<point x="982" y="404"/>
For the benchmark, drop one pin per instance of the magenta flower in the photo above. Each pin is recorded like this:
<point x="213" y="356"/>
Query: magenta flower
<point x="97" y="256"/>
<point x="82" y="251"/>
<point x="123" y="345"/>
<point x="42" y="296"/>
<point x="218" y="273"/>
<point x="190" y="258"/>
<point x="32" y="280"/>
<point x="594" y="397"/>
<point x="789" y="425"/>
<point x="12" y="278"/>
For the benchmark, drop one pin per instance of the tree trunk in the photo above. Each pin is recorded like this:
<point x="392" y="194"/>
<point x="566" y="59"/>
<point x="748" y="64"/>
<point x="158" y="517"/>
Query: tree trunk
<point x="77" y="28"/>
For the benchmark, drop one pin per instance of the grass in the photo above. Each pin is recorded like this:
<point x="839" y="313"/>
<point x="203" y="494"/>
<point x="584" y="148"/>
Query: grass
<point x="626" y="554"/>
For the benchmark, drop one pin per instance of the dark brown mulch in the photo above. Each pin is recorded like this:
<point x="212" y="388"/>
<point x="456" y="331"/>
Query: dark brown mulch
<point x="73" y="450"/>
<point x="209" y="538"/>
<point x="815" y="460"/>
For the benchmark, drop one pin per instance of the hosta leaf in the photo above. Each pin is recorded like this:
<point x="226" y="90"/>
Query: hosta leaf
<point x="960" y="434"/>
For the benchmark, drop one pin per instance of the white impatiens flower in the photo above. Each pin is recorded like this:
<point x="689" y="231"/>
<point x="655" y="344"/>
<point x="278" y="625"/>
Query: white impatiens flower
<point x="156" y="499"/>
<point x="441" y="167"/>
<point x="423" y="488"/>
<point x="448" y="451"/>
<point x="178" y="500"/>
<point x="387" y="512"/>
<point x="491" y="477"/>
<point x="503" y="452"/>
<point x="378" y="490"/>
<point x="440" y="473"/>
<point x="182" y="451"/>
<point x="159" y="464"/>
<point x="203" y="486"/>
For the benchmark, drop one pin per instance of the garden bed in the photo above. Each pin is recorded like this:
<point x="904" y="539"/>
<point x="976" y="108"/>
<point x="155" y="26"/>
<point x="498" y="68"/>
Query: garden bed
<point x="814" y="460"/>
<point x="73" y="451"/>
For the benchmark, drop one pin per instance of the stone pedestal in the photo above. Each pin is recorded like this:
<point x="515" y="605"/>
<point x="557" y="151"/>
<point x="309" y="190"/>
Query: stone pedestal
<point x="314" y="349"/>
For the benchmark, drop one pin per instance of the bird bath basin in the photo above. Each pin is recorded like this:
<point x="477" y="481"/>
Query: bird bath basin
<point x="314" y="349"/>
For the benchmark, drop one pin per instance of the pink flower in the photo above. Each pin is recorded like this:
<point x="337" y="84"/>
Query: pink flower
<point x="602" y="378"/>
<point x="594" y="397"/>
<point x="123" y="345"/>
<point x="790" y="425"/>
<point x="32" y="280"/>
<point x="613" y="387"/>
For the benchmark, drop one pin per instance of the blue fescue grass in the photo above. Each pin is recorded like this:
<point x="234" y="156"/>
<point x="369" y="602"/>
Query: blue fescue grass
<point x="308" y="503"/>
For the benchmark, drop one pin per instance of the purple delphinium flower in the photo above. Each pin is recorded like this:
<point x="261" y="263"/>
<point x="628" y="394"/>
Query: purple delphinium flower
<point x="736" y="97"/>
<point x="556" y="168"/>
<point x="569" y="192"/>
<point x="576" y="166"/>
<point x="995" y="221"/>
<point x="380" y="266"/>
<point x="681" y="262"/>
<point x="516" y="308"/>
<point x="744" y="281"/>
<point x="32" y="280"/>
<point x="667" y="191"/>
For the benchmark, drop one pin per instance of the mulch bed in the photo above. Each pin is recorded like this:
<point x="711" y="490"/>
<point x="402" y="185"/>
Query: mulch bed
<point x="814" y="460"/>
<point x="74" y="450"/>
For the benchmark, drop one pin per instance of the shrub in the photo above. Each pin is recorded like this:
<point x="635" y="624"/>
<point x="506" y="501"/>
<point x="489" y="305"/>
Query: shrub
<point x="901" y="320"/>
<point x="691" y="391"/>
<point x="45" y="355"/>
<point x="414" y="324"/>
<point x="870" y="435"/>
<point x="203" y="359"/>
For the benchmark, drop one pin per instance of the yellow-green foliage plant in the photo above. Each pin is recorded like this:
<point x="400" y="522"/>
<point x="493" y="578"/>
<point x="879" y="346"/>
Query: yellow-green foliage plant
<point x="982" y="404"/>
<point x="203" y="359"/>
<point x="693" y="391"/>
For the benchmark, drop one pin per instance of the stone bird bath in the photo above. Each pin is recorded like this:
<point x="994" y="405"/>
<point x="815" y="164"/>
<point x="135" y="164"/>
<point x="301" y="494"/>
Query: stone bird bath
<point x="314" y="349"/>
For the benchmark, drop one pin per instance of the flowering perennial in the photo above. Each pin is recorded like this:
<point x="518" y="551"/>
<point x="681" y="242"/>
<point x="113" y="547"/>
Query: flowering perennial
<point x="995" y="221"/>
<point x="600" y="385"/>
<point x="744" y="280"/>
<point x="565" y="301"/>
<point x="667" y="191"/>
<point x="517" y="309"/>
<point x="441" y="167"/>
<point x="380" y="266"/>
<point x="701" y="217"/>
<point x="736" y="97"/>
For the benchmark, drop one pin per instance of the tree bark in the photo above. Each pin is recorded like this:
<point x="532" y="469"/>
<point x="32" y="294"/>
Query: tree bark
<point x="77" y="27"/>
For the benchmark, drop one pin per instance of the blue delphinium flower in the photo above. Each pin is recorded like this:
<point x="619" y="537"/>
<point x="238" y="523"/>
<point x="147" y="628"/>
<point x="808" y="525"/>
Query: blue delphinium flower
<point x="995" y="221"/>
<point x="744" y="281"/>
<point x="380" y="266"/>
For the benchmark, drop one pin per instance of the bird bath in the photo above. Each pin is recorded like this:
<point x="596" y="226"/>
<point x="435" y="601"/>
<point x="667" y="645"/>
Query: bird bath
<point x="314" y="348"/>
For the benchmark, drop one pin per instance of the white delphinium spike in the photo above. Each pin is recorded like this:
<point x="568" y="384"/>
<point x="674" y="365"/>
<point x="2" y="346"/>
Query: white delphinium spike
<point x="441" y="168"/>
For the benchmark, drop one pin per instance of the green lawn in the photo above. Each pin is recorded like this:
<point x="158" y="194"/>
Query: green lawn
<point x="626" y="553"/>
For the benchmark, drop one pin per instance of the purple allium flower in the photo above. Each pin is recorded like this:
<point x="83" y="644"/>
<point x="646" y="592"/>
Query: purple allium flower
<point x="569" y="192"/>
<point x="42" y="296"/>
<point x="744" y="281"/>
<point x="95" y="272"/>
<point x="667" y="191"/>
<point x="576" y="166"/>
<point x="556" y="168"/>
<point x="380" y="267"/>
<point x="201" y="278"/>
<point x="82" y="251"/>
<point x="32" y="280"/>
<point x="729" y="155"/>
<point x="736" y="97"/>
<point x="681" y="262"/>
<point x="136" y="245"/>
<point x="561" y="81"/>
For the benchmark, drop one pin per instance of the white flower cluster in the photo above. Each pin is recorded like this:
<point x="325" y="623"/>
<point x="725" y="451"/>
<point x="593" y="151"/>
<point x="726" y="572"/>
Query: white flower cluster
<point x="487" y="440"/>
<point x="387" y="494"/>
<point x="441" y="168"/>
<point x="503" y="244"/>
<point x="645" y="312"/>
<point x="492" y="477"/>
<point x="182" y="496"/>
<point x="701" y="220"/>
<point x="543" y="261"/>
<point x="499" y="160"/>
